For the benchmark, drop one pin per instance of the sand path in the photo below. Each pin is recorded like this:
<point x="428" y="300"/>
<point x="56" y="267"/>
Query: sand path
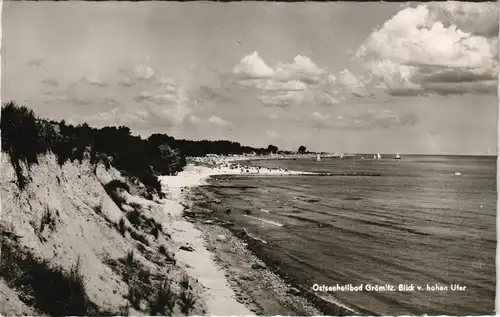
<point x="220" y="298"/>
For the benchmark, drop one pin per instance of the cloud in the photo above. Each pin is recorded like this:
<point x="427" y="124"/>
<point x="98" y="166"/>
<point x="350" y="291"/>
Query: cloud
<point x="71" y="99"/>
<point x="301" y="66"/>
<point x="35" y="62"/>
<point x="252" y="66"/>
<point x="144" y="72"/>
<point x="272" y="85"/>
<point x="167" y="84"/>
<point x="78" y="101"/>
<point x="371" y="119"/>
<point x="300" y="81"/>
<point x="152" y="103"/>
<point x="204" y="94"/>
<point x="51" y="82"/>
<point x="436" y="48"/>
<point x="193" y="119"/>
<point x="95" y="81"/>
<point x="164" y="108"/>
<point x="283" y="99"/>
<point x="218" y="121"/>
<point x="136" y="76"/>
<point x="83" y="92"/>
<point x="87" y="83"/>
<point x="272" y="134"/>
<point x="114" y="116"/>
<point x="158" y="99"/>
<point x="346" y="78"/>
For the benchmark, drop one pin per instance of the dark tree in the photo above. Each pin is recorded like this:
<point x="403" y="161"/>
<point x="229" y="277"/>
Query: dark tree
<point x="272" y="148"/>
<point x="302" y="149"/>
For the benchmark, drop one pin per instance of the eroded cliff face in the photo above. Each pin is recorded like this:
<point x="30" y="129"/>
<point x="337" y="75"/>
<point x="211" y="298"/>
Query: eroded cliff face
<point x="87" y="215"/>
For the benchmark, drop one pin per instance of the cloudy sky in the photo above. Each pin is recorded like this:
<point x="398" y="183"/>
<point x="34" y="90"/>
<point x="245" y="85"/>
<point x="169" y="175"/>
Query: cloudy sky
<point x="350" y="77"/>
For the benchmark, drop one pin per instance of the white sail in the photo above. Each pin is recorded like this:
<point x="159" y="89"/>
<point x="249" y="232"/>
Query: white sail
<point x="374" y="157"/>
<point x="318" y="158"/>
<point x="379" y="156"/>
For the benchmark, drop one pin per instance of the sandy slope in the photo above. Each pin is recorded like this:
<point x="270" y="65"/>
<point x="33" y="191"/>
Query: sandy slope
<point x="71" y="192"/>
<point x="85" y="227"/>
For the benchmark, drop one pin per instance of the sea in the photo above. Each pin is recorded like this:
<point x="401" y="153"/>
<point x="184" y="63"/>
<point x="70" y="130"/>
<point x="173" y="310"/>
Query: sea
<point x="387" y="226"/>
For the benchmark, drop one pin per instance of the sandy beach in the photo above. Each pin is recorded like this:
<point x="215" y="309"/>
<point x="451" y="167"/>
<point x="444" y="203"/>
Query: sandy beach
<point x="236" y="282"/>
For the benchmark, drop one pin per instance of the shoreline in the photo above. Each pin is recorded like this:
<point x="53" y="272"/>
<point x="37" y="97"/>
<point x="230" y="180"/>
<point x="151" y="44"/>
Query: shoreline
<point x="191" y="250"/>
<point x="245" y="284"/>
<point x="302" y="300"/>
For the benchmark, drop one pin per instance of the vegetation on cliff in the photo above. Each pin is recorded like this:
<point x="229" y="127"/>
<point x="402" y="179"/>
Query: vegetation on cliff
<point x="25" y="137"/>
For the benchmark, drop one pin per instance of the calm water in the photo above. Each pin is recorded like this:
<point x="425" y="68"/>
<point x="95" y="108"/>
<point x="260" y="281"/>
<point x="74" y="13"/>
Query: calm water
<point x="415" y="223"/>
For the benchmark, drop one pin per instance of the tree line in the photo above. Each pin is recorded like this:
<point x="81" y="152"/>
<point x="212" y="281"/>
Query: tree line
<point x="25" y="137"/>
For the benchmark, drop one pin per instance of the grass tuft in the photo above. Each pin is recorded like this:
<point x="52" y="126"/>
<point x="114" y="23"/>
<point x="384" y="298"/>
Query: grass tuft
<point x="47" y="220"/>
<point x="138" y="236"/>
<point x="130" y="261"/>
<point x="164" y="300"/>
<point x="122" y="227"/>
<point x="135" y="296"/>
<point x="186" y="297"/>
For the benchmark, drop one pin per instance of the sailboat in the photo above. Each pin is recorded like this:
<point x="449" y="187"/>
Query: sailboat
<point x="374" y="157"/>
<point x="379" y="157"/>
<point x="318" y="158"/>
<point x="397" y="157"/>
<point x="341" y="156"/>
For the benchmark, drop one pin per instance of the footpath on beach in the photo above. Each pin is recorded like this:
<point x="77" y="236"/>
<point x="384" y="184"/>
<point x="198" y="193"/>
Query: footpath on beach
<point x="220" y="298"/>
<point x="219" y="295"/>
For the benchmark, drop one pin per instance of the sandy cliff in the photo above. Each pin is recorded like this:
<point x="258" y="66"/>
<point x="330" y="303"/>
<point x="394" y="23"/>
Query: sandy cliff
<point x="69" y="214"/>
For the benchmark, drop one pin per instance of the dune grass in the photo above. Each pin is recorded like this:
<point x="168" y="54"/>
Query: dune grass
<point x="50" y="289"/>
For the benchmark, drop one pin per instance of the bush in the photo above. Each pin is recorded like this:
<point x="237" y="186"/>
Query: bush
<point x="170" y="258"/>
<point x="164" y="301"/>
<point x="47" y="219"/>
<point x="20" y="138"/>
<point x="134" y="296"/>
<point x="139" y="237"/>
<point x="155" y="232"/>
<point x="134" y="217"/>
<point x="130" y="258"/>
<point x="111" y="190"/>
<point x="150" y="181"/>
<point x="122" y="227"/>
<point x="124" y="311"/>
<point x="143" y="276"/>
<point x="114" y="184"/>
<point x="162" y="250"/>
<point x="186" y="297"/>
